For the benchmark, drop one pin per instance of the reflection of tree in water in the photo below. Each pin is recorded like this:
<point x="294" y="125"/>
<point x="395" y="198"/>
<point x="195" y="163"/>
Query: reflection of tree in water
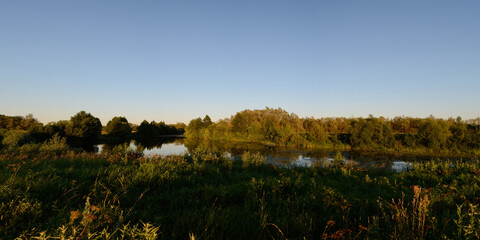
<point x="150" y="143"/>
<point x="147" y="143"/>
<point x="236" y="148"/>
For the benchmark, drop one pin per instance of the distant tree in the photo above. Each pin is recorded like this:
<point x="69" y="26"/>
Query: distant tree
<point x="145" y="129"/>
<point x="315" y="131"/>
<point x="433" y="133"/>
<point x="18" y="122"/>
<point x="207" y="122"/>
<point x="118" y="127"/>
<point x="410" y="140"/>
<point x="239" y="123"/>
<point x="29" y="121"/>
<point x="180" y="128"/>
<point x="269" y="129"/>
<point x="133" y="126"/>
<point x="371" y="133"/>
<point x="255" y="131"/>
<point x="194" y="127"/>
<point x="456" y="141"/>
<point x="84" y="128"/>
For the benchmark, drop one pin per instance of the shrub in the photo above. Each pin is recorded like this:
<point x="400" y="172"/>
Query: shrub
<point x="252" y="160"/>
<point x="15" y="138"/>
<point x="29" y="148"/>
<point x="123" y="152"/>
<point x="203" y="155"/>
<point x="338" y="159"/>
<point x="56" y="144"/>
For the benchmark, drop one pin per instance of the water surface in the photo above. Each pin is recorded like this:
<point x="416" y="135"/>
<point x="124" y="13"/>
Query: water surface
<point x="278" y="155"/>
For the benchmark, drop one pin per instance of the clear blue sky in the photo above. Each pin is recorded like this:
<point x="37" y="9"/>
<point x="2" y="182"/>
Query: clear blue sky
<point x="174" y="61"/>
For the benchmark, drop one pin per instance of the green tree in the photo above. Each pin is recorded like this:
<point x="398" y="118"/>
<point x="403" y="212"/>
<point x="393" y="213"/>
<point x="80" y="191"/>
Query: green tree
<point x="255" y="131"/>
<point x="239" y="123"/>
<point x="269" y="129"/>
<point x="315" y="131"/>
<point x="371" y="133"/>
<point x="119" y="128"/>
<point x="459" y="132"/>
<point x="145" y="129"/>
<point x="433" y="133"/>
<point x="194" y="127"/>
<point x="207" y="122"/>
<point x="84" y="128"/>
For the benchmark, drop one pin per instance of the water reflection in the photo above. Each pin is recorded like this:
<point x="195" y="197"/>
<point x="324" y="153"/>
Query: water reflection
<point x="152" y="146"/>
<point x="277" y="155"/>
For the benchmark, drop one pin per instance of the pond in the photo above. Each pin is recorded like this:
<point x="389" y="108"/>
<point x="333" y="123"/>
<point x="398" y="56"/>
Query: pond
<point x="279" y="155"/>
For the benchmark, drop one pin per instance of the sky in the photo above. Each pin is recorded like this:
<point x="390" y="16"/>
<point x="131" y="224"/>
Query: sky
<point x="174" y="61"/>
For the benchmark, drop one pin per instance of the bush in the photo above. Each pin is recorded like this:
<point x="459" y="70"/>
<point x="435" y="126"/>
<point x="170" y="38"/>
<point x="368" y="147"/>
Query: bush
<point x="29" y="148"/>
<point x="252" y="160"/>
<point x="338" y="159"/>
<point x="123" y="152"/>
<point x="56" y="144"/>
<point x="203" y="155"/>
<point x="15" y="138"/>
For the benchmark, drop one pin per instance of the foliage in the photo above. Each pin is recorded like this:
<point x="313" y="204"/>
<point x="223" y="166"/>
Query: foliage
<point x="252" y="160"/>
<point x="82" y="196"/>
<point x="19" y="213"/>
<point x="123" y="152"/>
<point x="409" y="222"/>
<point x="339" y="159"/>
<point x="468" y="221"/>
<point x="268" y="126"/>
<point x="371" y="133"/>
<point x="119" y="128"/>
<point x="56" y="144"/>
<point x="154" y="129"/>
<point x="433" y="134"/>
<point x="18" y="122"/>
<point x="84" y="128"/>
<point x="15" y="138"/>
<point x="403" y="134"/>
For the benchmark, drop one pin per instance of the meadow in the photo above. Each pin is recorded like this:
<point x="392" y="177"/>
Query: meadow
<point x="205" y="195"/>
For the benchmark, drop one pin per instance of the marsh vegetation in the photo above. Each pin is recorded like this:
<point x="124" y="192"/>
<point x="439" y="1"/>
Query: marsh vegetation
<point x="208" y="196"/>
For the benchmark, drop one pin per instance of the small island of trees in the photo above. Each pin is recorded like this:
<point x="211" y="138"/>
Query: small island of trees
<point x="401" y="134"/>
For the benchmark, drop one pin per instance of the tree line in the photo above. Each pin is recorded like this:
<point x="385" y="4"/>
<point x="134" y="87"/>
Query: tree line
<point x="82" y="130"/>
<point x="276" y="126"/>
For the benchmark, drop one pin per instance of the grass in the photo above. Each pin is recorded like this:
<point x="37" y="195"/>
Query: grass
<point x="206" y="196"/>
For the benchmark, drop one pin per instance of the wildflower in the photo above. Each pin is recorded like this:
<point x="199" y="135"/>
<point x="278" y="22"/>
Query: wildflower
<point x="75" y="215"/>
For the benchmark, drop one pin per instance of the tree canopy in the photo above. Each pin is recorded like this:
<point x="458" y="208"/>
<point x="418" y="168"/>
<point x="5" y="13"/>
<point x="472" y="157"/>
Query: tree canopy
<point x="119" y="128"/>
<point x="276" y="126"/>
<point x="84" y="128"/>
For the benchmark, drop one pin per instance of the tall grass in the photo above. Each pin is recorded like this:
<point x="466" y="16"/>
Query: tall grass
<point x="206" y="195"/>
